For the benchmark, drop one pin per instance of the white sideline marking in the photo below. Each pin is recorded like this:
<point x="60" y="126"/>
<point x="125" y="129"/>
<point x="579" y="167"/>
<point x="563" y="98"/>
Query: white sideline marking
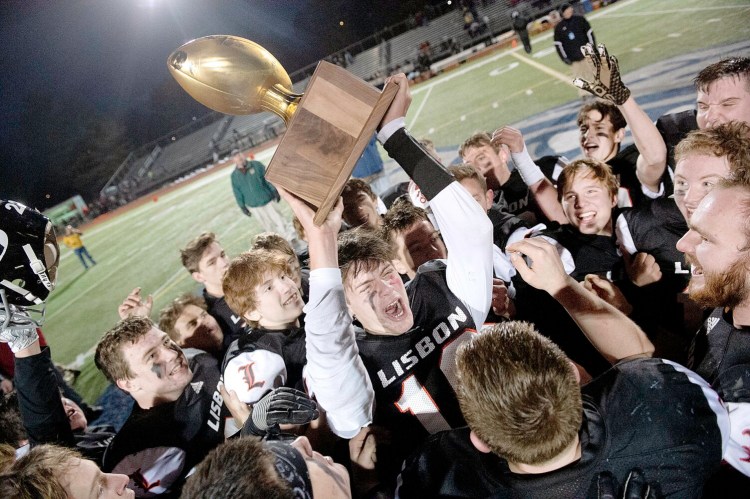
<point x="544" y="69"/>
<point x="421" y="106"/>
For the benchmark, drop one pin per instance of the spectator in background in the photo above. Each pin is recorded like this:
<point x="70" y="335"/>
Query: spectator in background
<point x="254" y="195"/>
<point x="424" y="57"/>
<point x="520" y="23"/>
<point x="72" y="240"/>
<point x="572" y="33"/>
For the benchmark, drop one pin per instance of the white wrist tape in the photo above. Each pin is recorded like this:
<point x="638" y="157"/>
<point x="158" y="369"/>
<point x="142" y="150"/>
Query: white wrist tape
<point x="530" y="172"/>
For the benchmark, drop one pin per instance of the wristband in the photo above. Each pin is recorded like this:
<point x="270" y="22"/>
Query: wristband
<point x="530" y="172"/>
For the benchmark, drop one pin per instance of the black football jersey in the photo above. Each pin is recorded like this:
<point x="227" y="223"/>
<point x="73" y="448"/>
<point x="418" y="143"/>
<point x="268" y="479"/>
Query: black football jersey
<point x="675" y="127"/>
<point x="230" y="323"/>
<point x="720" y="353"/>
<point x="645" y="413"/>
<point x="624" y="167"/>
<point x="592" y="254"/>
<point x="157" y="447"/>
<point x="413" y="374"/>
<point x="655" y="229"/>
<point x="287" y="344"/>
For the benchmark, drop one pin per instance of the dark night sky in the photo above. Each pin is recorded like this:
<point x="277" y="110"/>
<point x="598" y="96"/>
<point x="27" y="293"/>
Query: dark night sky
<point x="111" y="53"/>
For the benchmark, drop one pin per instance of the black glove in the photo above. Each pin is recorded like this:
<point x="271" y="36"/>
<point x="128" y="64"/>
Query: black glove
<point x="280" y="406"/>
<point x="607" y="83"/>
<point x="635" y="487"/>
<point x="246" y="211"/>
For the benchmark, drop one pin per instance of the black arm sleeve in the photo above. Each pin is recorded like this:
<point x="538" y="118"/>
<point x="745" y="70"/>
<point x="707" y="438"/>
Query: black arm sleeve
<point x="39" y="401"/>
<point x="422" y="168"/>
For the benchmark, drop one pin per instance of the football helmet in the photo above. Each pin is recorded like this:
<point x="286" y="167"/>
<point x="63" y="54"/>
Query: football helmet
<point x="29" y="255"/>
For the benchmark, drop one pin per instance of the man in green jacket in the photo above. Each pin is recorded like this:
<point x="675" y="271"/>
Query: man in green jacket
<point x="254" y="195"/>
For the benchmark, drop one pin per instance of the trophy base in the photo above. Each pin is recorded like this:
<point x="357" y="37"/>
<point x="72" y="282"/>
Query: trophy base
<point x="325" y="138"/>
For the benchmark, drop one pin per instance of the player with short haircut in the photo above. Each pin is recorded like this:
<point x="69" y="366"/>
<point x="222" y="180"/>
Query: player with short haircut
<point x="258" y="286"/>
<point x="409" y="334"/>
<point x="188" y="323"/>
<point x="241" y="467"/>
<point x="178" y="415"/>
<point x="723" y="92"/>
<point x="207" y="262"/>
<point x="54" y="472"/>
<point x="272" y="241"/>
<point x="412" y="236"/>
<point x="247" y="467"/>
<point x="550" y="437"/>
<point x="360" y="204"/>
<point x="716" y="247"/>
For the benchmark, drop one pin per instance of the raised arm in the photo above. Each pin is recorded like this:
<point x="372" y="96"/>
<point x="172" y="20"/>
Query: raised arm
<point x="39" y="399"/>
<point x="652" y="160"/>
<point x="465" y="228"/>
<point x="542" y="189"/>
<point x="609" y="330"/>
<point x="608" y="85"/>
<point x="335" y="373"/>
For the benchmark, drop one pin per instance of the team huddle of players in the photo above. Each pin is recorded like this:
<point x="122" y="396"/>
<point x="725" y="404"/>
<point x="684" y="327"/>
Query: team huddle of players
<point x="503" y="331"/>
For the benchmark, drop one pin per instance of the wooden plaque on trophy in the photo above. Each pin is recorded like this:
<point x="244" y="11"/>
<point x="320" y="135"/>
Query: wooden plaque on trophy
<point x="331" y="127"/>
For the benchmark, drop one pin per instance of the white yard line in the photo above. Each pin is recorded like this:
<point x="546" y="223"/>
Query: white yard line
<point x="541" y="67"/>
<point x="421" y="106"/>
<point x="679" y="11"/>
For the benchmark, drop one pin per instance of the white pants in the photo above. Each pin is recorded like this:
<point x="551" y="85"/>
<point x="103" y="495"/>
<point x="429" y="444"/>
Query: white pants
<point x="271" y="219"/>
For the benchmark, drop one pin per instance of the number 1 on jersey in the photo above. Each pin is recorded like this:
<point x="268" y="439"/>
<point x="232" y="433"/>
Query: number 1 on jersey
<point x="416" y="400"/>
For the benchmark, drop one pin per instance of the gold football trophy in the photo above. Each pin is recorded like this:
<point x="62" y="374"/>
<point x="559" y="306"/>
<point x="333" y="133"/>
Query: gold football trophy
<point x="327" y="128"/>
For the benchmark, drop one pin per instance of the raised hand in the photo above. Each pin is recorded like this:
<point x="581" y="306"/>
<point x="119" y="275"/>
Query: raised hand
<point x="539" y="264"/>
<point x="500" y="299"/>
<point x="401" y="102"/>
<point x="608" y="292"/>
<point x="280" y="406"/>
<point x="641" y="268"/>
<point x="135" y="305"/>
<point x="363" y="449"/>
<point x="511" y="137"/>
<point x="607" y="83"/>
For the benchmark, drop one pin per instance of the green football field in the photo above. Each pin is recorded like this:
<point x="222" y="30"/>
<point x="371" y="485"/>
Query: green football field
<point x="141" y="246"/>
